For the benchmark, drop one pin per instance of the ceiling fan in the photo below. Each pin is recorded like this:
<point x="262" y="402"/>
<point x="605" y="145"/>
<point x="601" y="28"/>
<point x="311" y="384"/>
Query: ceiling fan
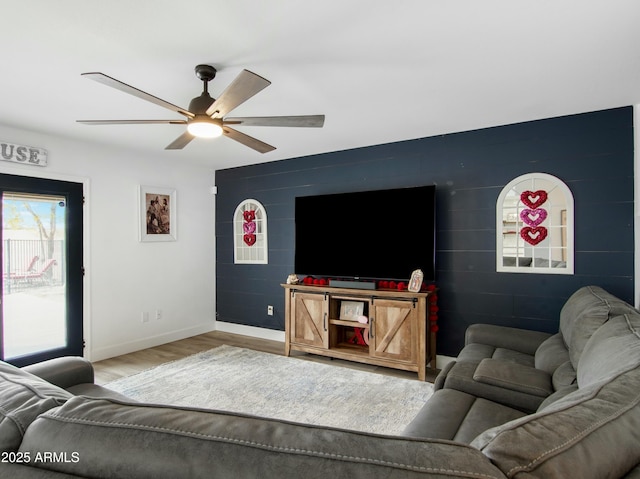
<point x="206" y="115"/>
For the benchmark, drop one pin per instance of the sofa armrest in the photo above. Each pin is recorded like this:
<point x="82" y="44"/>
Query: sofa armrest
<point x="461" y="378"/>
<point x="63" y="372"/>
<point x="522" y="340"/>
<point x="442" y="376"/>
<point x="514" y="377"/>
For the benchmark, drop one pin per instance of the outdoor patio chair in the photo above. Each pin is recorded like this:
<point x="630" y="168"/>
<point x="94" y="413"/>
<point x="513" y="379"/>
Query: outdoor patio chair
<point x="34" y="276"/>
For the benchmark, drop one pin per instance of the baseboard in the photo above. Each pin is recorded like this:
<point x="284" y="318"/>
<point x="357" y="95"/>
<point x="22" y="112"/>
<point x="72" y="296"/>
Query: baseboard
<point x="251" y="331"/>
<point x="149" y="342"/>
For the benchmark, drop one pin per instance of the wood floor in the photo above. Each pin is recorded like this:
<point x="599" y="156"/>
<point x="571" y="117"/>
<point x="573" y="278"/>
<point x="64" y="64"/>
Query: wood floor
<point x="114" y="368"/>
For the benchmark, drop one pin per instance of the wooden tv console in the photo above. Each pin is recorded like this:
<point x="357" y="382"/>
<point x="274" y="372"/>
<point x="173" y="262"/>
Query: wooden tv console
<point x="398" y="330"/>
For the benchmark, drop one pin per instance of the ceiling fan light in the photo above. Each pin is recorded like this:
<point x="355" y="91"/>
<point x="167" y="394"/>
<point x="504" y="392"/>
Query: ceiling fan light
<point x="204" y="129"/>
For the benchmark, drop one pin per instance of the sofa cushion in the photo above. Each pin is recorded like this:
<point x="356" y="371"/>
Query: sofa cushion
<point x="504" y="337"/>
<point x="551" y="354"/>
<point x="23" y="397"/>
<point x="514" y="377"/>
<point x="584" y="312"/>
<point x="476" y="352"/>
<point x="600" y="420"/>
<point x="614" y="348"/>
<point x="458" y="416"/>
<point x="139" y="441"/>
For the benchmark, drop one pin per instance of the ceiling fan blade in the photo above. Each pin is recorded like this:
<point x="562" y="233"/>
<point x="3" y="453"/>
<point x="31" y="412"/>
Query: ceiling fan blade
<point x="132" y="122"/>
<point x="247" y="140"/>
<point x="180" y="142"/>
<point x="308" y="121"/>
<point x="245" y="85"/>
<point x="112" y="82"/>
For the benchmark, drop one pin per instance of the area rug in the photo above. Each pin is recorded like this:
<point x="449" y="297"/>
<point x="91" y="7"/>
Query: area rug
<point x="241" y="380"/>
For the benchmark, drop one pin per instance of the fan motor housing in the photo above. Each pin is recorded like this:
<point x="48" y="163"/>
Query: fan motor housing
<point x="200" y="103"/>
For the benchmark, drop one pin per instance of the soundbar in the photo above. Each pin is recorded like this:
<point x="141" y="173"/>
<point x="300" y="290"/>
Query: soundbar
<point x="341" y="283"/>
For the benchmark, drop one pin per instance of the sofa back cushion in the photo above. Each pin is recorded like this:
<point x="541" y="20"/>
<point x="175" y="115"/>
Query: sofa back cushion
<point x="551" y="354"/>
<point x="23" y="397"/>
<point x="139" y="441"/>
<point x="564" y="376"/>
<point x="584" y="312"/>
<point x="592" y="432"/>
<point x="614" y="348"/>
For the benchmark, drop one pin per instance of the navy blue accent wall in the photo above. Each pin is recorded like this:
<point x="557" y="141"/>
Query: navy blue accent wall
<point x="591" y="152"/>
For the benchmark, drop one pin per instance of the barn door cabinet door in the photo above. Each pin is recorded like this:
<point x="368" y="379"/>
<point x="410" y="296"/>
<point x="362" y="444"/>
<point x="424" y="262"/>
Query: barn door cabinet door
<point x="394" y="330"/>
<point x="309" y="314"/>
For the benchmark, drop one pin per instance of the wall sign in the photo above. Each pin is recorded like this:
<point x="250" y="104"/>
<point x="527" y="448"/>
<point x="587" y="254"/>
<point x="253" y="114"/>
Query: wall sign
<point x="28" y="155"/>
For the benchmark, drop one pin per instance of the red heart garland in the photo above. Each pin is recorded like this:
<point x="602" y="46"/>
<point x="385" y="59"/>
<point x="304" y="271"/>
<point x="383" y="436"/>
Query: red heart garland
<point x="249" y="239"/>
<point x="533" y="199"/>
<point x="533" y="235"/>
<point x="249" y="215"/>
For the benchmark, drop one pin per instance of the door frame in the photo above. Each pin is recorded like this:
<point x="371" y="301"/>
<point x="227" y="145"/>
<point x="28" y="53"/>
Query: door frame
<point x="86" y="282"/>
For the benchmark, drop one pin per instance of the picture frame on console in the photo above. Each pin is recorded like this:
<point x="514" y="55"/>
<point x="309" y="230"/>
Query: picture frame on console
<point x="157" y="214"/>
<point x="415" y="283"/>
<point x="351" y="310"/>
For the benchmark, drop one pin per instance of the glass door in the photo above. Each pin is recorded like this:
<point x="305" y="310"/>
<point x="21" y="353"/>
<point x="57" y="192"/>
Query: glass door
<point x="41" y="240"/>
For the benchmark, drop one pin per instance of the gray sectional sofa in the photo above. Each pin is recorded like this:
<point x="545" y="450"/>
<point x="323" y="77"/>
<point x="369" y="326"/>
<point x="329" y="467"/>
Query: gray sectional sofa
<point x="515" y="404"/>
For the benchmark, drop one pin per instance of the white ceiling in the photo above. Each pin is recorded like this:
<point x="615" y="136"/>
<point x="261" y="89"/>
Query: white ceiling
<point x="380" y="70"/>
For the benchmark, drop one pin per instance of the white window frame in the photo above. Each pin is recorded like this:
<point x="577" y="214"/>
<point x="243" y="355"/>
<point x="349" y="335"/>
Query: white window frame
<point x="508" y="208"/>
<point x="258" y="252"/>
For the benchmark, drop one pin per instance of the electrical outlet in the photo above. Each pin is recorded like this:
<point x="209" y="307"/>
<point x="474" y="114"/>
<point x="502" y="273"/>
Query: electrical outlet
<point x="145" y="316"/>
<point x="270" y="310"/>
<point x="158" y="314"/>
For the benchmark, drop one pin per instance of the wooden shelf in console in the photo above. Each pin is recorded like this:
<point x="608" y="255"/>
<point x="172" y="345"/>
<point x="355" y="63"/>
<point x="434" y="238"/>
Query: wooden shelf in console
<point x="397" y="332"/>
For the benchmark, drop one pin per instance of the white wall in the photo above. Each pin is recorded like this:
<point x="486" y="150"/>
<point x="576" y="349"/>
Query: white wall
<point x="123" y="276"/>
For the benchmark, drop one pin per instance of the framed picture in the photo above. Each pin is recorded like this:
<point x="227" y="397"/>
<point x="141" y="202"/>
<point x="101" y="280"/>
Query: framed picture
<point x="157" y="209"/>
<point x="415" y="283"/>
<point x="351" y="310"/>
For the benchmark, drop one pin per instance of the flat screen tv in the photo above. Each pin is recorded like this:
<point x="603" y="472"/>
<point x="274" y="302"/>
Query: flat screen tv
<point x="380" y="234"/>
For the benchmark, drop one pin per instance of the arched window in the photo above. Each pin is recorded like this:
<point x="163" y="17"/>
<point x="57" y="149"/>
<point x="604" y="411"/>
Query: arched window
<point x="250" y="233"/>
<point x="534" y="226"/>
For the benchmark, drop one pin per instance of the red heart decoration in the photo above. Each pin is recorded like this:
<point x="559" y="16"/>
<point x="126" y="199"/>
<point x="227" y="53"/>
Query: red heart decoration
<point x="533" y="235"/>
<point x="533" y="199"/>
<point x="249" y="215"/>
<point x="533" y="217"/>
<point x="249" y="239"/>
<point x="249" y="227"/>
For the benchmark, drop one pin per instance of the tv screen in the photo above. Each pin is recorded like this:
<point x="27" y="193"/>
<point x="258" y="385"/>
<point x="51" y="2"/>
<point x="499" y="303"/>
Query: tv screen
<point x="381" y="234"/>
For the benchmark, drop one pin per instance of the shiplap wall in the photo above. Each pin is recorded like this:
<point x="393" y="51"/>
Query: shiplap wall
<point x="591" y="152"/>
